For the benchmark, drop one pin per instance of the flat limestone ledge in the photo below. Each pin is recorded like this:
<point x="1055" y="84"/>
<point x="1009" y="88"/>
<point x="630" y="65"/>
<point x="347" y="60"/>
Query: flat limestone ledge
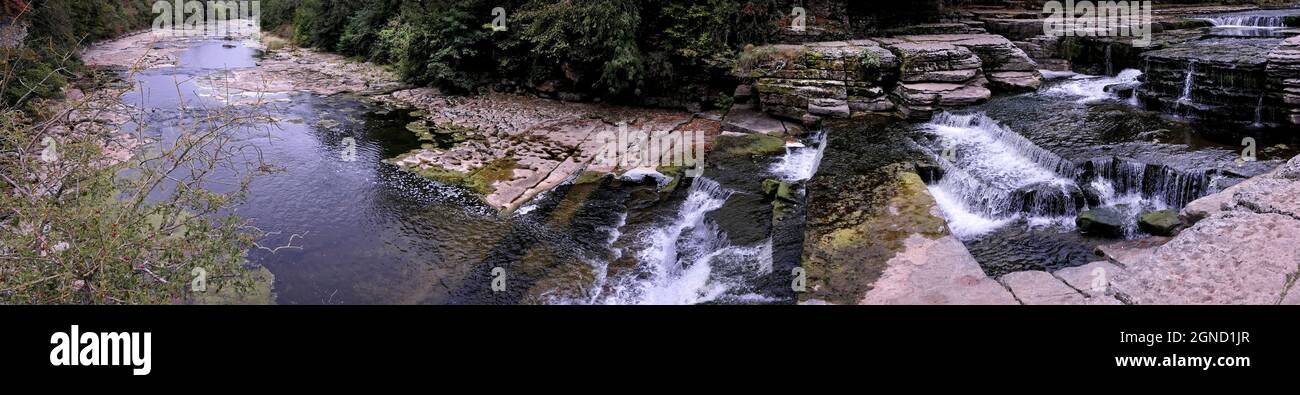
<point x="1292" y="297"/>
<point x="1083" y="285"/>
<point x="996" y="53"/>
<point x="744" y="118"/>
<point x="1272" y="192"/>
<point x="1232" y="257"/>
<point x="903" y="254"/>
<point x="1092" y="280"/>
<point x="1243" y="247"/>
<point x="545" y="142"/>
<point x="1040" y="288"/>
<point x="936" y="271"/>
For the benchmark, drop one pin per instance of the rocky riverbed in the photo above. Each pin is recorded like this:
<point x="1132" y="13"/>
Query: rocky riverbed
<point x="832" y="168"/>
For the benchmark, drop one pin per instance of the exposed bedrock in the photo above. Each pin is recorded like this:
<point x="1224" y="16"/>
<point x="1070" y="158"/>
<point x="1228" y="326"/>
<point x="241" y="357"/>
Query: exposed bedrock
<point x="1242" y="247"/>
<point x="875" y="234"/>
<point x="823" y="80"/>
<point x="1222" y="80"/>
<point x="913" y="75"/>
<point x="1284" y="80"/>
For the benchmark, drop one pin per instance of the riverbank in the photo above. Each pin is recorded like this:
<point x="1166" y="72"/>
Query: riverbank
<point x="877" y="223"/>
<point x="1024" y="166"/>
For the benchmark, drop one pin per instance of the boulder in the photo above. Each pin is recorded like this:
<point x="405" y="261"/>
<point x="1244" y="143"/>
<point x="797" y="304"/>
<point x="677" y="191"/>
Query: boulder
<point x="1046" y="198"/>
<point x="1015" y="81"/>
<point x="1160" y="223"/>
<point x="1122" y="90"/>
<point x="1104" y="221"/>
<point x="924" y="61"/>
<point x="790" y="78"/>
<point x="919" y="100"/>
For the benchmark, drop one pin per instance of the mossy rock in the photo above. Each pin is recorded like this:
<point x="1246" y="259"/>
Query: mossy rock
<point x="590" y="177"/>
<point x="857" y="223"/>
<point x="749" y="145"/>
<point x="1291" y="20"/>
<point x="676" y="173"/>
<point x="420" y="129"/>
<point x="1160" y="223"/>
<point x="479" y="180"/>
<point x="779" y="191"/>
<point x="1105" y="221"/>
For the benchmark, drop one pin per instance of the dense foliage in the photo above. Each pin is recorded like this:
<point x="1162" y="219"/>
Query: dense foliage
<point x="610" y="49"/>
<point x="48" y="57"/>
<point x="78" y="227"/>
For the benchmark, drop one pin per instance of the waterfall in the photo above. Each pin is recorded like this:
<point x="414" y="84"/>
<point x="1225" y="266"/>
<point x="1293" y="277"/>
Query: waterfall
<point x="800" y="162"/>
<point x="995" y="175"/>
<point x="1160" y="185"/>
<point x="688" y="260"/>
<point x="1187" y="83"/>
<point x="1092" y="88"/>
<point x="1017" y="157"/>
<point x="1259" y="111"/>
<point x="1254" y="21"/>
<point x="998" y="177"/>
<point x="1110" y="68"/>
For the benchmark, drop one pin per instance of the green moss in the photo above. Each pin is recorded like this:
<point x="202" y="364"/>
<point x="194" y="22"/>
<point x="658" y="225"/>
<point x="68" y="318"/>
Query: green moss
<point x="749" y="144"/>
<point x="590" y="177"/>
<point x="844" y="255"/>
<point x="479" y="180"/>
<point x="778" y="190"/>
<point x="676" y="172"/>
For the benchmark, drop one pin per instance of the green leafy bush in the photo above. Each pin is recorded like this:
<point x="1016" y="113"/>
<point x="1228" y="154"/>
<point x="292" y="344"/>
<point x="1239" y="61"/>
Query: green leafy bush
<point x="613" y="49"/>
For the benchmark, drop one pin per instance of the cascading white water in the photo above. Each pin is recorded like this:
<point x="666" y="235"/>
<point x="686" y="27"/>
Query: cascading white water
<point x="1186" y="98"/>
<point x="1253" y="21"/>
<point x="1092" y="88"/>
<point x="1110" y="68"/>
<point x="1259" y="111"/>
<point x="688" y="259"/>
<point x="800" y="162"/>
<point x="997" y="177"/>
<point x="986" y="171"/>
<point x="680" y="261"/>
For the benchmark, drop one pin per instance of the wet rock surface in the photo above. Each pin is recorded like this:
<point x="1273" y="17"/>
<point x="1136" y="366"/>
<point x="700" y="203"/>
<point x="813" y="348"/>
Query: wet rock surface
<point x="1218" y="79"/>
<point x="874" y="234"/>
<point x="1242" y="249"/>
<point x="1160" y="223"/>
<point x="1104" y="222"/>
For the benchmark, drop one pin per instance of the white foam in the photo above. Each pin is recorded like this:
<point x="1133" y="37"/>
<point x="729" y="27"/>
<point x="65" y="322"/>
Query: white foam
<point x="1056" y="75"/>
<point x="641" y="173"/>
<point x="1089" y="88"/>
<point x="800" y="162"/>
<point x="964" y="223"/>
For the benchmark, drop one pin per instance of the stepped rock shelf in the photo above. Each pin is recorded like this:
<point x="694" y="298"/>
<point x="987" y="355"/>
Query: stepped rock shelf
<point x="914" y="75"/>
